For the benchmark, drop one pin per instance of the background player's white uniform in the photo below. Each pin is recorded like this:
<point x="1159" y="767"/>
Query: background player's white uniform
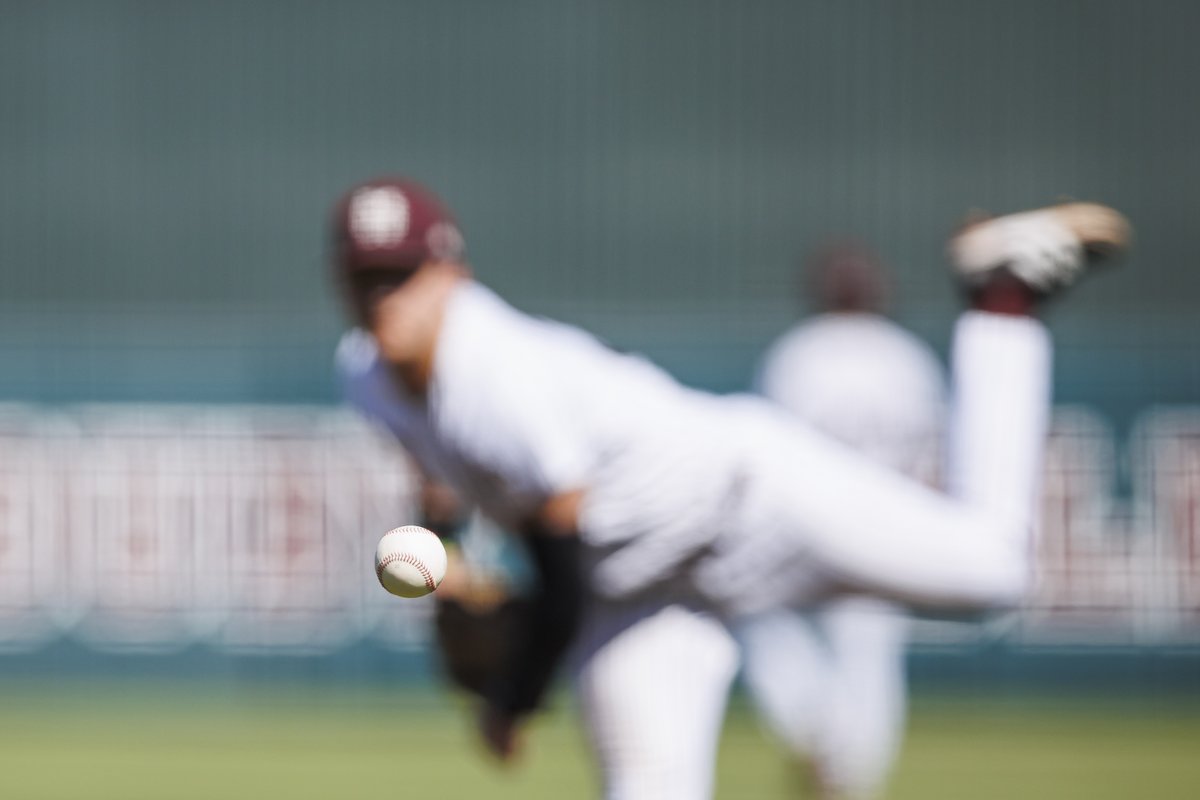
<point x="698" y="509"/>
<point x="830" y="681"/>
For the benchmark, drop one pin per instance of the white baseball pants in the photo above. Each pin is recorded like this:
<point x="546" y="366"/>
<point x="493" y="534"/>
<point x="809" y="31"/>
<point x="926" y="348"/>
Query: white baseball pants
<point x="830" y="685"/>
<point x="816" y="518"/>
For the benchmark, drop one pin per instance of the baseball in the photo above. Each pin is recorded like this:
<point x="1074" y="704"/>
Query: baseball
<point x="410" y="561"/>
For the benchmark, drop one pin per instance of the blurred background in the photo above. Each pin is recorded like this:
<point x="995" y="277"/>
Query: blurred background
<point x="187" y="518"/>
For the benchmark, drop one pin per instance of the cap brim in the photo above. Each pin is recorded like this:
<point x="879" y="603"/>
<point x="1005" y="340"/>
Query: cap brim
<point x="402" y="258"/>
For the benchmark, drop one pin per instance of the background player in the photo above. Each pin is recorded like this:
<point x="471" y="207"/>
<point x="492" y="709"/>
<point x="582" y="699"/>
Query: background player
<point x="682" y="510"/>
<point x="830" y="682"/>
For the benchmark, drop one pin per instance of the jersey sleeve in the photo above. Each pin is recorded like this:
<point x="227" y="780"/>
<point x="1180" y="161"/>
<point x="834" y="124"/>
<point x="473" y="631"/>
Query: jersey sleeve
<point x="535" y="430"/>
<point x="519" y="397"/>
<point x="355" y="365"/>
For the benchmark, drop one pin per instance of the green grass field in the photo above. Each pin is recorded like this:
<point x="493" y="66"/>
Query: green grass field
<point x="120" y="741"/>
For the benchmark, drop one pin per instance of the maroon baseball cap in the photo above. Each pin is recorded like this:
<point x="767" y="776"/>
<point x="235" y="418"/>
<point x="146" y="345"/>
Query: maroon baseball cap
<point x="392" y="224"/>
<point x="846" y="276"/>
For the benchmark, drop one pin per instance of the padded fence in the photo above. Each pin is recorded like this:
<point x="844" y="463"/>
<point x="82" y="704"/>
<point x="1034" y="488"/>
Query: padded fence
<point x="251" y="530"/>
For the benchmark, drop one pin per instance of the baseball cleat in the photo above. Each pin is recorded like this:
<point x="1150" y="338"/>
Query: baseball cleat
<point x="1046" y="249"/>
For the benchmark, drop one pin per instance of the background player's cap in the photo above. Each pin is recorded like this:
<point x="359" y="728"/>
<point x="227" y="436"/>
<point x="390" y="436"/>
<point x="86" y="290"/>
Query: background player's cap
<point x="392" y="224"/>
<point x="846" y="276"/>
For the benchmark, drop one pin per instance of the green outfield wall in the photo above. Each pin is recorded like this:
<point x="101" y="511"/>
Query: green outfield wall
<point x="651" y="169"/>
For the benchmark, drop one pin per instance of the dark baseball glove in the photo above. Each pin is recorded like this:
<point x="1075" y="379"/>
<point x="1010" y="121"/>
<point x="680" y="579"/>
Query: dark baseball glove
<point x="476" y="629"/>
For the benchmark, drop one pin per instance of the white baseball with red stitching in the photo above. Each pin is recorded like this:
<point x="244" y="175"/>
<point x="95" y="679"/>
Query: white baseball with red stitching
<point x="410" y="561"/>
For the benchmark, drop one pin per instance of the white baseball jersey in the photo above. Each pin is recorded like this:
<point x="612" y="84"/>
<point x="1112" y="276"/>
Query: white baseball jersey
<point x="865" y="381"/>
<point x="520" y="409"/>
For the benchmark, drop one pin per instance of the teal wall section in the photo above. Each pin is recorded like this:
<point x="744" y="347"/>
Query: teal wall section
<point x="651" y="169"/>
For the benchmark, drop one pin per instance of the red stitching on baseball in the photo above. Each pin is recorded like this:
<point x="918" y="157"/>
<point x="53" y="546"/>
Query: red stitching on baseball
<point x="407" y="558"/>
